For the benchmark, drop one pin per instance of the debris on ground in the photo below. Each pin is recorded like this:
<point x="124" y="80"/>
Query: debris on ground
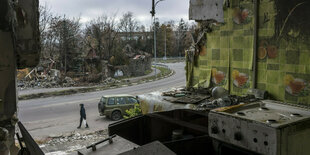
<point x="47" y="82"/>
<point x="110" y="80"/>
<point x="34" y="79"/>
<point x="68" y="143"/>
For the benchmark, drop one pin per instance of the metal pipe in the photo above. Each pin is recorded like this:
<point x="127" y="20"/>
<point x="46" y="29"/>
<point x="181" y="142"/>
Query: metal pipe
<point x="254" y="75"/>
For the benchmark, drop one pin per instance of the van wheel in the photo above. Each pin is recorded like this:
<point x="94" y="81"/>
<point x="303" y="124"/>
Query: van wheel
<point x="116" y="115"/>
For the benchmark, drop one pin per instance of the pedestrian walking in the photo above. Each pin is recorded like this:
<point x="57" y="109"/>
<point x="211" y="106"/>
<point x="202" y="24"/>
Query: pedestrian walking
<point x="82" y="116"/>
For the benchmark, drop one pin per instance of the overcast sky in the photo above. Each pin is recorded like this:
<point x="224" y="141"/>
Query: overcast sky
<point x="90" y="9"/>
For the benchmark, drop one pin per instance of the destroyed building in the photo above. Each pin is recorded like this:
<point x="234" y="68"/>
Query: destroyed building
<point x="247" y="44"/>
<point x="138" y="62"/>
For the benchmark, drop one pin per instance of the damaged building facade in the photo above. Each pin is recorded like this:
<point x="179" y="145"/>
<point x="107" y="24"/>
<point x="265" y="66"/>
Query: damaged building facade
<point x="248" y="44"/>
<point x="136" y="63"/>
<point x="19" y="48"/>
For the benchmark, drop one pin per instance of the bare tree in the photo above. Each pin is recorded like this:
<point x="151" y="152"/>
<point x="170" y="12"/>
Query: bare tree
<point x="94" y="33"/>
<point x="44" y="21"/>
<point x="181" y="33"/>
<point x="128" y="25"/>
<point x="66" y="36"/>
<point x="110" y="34"/>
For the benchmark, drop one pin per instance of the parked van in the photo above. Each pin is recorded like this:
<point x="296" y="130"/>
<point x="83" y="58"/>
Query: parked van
<point x="114" y="106"/>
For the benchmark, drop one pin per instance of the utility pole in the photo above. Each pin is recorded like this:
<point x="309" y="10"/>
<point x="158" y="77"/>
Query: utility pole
<point x="154" y="26"/>
<point x="165" y="43"/>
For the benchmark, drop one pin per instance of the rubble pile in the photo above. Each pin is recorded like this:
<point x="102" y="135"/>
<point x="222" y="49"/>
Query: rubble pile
<point x="47" y="82"/>
<point x="110" y="80"/>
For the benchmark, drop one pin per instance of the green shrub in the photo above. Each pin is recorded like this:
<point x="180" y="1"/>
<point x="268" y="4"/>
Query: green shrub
<point x="133" y="111"/>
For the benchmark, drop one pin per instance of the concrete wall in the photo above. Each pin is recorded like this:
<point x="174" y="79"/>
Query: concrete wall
<point x="137" y="67"/>
<point x="283" y="50"/>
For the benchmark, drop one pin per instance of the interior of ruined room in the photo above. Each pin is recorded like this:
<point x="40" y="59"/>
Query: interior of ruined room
<point x="246" y="88"/>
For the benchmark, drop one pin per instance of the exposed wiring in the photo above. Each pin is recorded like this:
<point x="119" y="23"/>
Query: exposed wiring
<point x="286" y="19"/>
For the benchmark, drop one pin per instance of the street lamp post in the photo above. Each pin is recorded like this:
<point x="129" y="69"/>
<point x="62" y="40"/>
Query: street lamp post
<point x="154" y="26"/>
<point x="165" y="43"/>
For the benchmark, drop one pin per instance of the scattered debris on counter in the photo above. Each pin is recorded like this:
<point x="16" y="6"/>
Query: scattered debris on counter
<point x="206" y="99"/>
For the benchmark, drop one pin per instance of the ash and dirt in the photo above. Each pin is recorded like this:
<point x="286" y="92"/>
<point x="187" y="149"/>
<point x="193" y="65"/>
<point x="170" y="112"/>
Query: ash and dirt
<point x="68" y="144"/>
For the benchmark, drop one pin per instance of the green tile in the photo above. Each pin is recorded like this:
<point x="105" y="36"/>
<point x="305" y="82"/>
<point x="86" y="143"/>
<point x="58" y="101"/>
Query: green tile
<point x="248" y="42"/>
<point x="307" y="68"/>
<point x="273" y="67"/>
<point x="208" y="56"/>
<point x="302" y="69"/>
<point x="238" y="32"/>
<point x="266" y="32"/>
<point x="272" y="90"/>
<point x="196" y="71"/>
<point x="261" y="76"/>
<point x="213" y="42"/>
<point x="237" y="64"/>
<point x="237" y="54"/>
<point x="261" y="86"/>
<point x="290" y="98"/>
<point x="238" y="42"/>
<point x="282" y="56"/>
<point x="216" y="55"/>
<point x="247" y="65"/>
<point x="304" y="46"/>
<point x="224" y="54"/>
<point x="215" y="62"/>
<point x="203" y="62"/>
<point x="291" y="68"/>
<point x="282" y="44"/>
<point x="304" y="58"/>
<point x="204" y="73"/>
<point x="224" y="63"/>
<point x="281" y="93"/>
<point x="304" y="100"/>
<point x="226" y="33"/>
<point x="237" y="26"/>
<point x="249" y="32"/>
<point x="272" y="77"/>
<point x="262" y="66"/>
<point x="271" y="23"/>
<point x="248" y="54"/>
<point x="224" y="42"/>
<point x="292" y="57"/>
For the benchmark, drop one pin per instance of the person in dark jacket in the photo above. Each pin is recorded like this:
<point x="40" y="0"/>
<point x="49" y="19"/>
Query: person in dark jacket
<point x="82" y="116"/>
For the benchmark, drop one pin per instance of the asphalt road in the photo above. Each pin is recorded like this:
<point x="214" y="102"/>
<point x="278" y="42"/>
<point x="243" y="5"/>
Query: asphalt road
<point x="59" y="115"/>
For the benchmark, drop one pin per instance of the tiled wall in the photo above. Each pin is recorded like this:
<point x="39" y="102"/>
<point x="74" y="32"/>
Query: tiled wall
<point x="283" y="62"/>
